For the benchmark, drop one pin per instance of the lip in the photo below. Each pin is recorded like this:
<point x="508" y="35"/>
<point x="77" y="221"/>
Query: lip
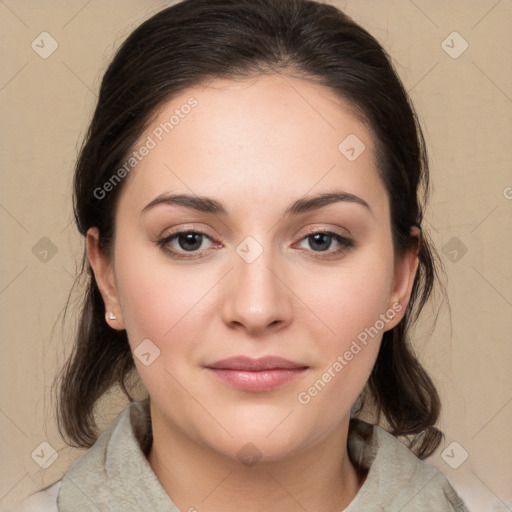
<point x="256" y="375"/>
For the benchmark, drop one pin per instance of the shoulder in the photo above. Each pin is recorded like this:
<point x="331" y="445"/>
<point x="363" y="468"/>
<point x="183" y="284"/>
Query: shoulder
<point x="398" y="480"/>
<point x="41" y="501"/>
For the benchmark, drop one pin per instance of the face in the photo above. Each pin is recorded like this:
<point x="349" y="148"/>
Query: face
<point x="249" y="263"/>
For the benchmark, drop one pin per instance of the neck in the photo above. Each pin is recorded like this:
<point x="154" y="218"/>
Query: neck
<point x="321" y="478"/>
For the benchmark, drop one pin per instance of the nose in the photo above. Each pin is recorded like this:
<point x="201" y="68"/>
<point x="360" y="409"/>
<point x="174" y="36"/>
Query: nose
<point x="257" y="299"/>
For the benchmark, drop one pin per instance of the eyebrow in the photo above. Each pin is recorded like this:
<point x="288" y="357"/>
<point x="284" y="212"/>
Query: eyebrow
<point x="209" y="205"/>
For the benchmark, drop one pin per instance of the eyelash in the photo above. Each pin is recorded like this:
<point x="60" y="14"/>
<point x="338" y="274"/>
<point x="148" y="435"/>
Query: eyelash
<point x="164" y="244"/>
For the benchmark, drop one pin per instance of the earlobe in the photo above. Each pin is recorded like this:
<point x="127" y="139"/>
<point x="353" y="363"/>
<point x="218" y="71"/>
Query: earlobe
<point x="104" y="275"/>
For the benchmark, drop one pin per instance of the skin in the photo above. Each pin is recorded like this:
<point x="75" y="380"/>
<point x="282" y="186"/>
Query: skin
<point x="257" y="145"/>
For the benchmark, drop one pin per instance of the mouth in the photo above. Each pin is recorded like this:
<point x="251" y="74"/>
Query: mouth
<point x="256" y="375"/>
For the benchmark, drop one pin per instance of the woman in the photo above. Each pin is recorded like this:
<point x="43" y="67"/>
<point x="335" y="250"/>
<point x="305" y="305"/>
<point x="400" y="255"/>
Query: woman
<point x="251" y="192"/>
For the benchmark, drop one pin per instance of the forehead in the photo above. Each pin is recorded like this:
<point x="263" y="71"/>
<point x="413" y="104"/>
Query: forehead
<point x="262" y="139"/>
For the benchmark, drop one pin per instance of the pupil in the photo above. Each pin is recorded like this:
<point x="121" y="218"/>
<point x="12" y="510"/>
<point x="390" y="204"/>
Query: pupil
<point x="189" y="244"/>
<point x="323" y="240"/>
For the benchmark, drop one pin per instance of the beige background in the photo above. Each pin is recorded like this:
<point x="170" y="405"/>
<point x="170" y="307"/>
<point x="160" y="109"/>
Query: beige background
<point x="465" y="105"/>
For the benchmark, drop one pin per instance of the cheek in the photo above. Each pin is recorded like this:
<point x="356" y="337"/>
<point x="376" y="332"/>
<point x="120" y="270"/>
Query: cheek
<point x="348" y="298"/>
<point x="161" y="304"/>
<point x="157" y="299"/>
<point x="353" y="309"/>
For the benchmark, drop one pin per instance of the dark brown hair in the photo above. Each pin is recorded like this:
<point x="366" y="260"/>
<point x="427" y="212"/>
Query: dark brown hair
<point x="191" y="43"/>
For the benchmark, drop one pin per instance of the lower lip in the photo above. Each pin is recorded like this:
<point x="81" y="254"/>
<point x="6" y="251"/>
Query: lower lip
<point x="263" y="380"/>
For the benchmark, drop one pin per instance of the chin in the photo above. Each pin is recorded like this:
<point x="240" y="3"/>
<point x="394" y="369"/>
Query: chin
<point x="250" y="450"/>
<point x="271" y="438"/>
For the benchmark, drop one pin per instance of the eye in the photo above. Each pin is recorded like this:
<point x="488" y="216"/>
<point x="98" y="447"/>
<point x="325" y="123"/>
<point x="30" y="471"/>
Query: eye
<point x="191" y="244"/>
<point x="180" y="243"/>
<point x="322" y="242"/>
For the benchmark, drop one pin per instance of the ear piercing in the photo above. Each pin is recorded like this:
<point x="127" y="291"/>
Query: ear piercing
<point x="111" y="316"/>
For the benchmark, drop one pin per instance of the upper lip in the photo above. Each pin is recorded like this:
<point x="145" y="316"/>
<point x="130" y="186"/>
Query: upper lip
<point x="249" y="364"/>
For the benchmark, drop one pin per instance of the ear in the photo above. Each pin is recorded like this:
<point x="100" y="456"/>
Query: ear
<point x="104" y="275"/>
<point x="405" y="272"/>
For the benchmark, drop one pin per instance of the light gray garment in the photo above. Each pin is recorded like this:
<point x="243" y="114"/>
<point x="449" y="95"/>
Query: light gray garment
<point x="114" y="474"/>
